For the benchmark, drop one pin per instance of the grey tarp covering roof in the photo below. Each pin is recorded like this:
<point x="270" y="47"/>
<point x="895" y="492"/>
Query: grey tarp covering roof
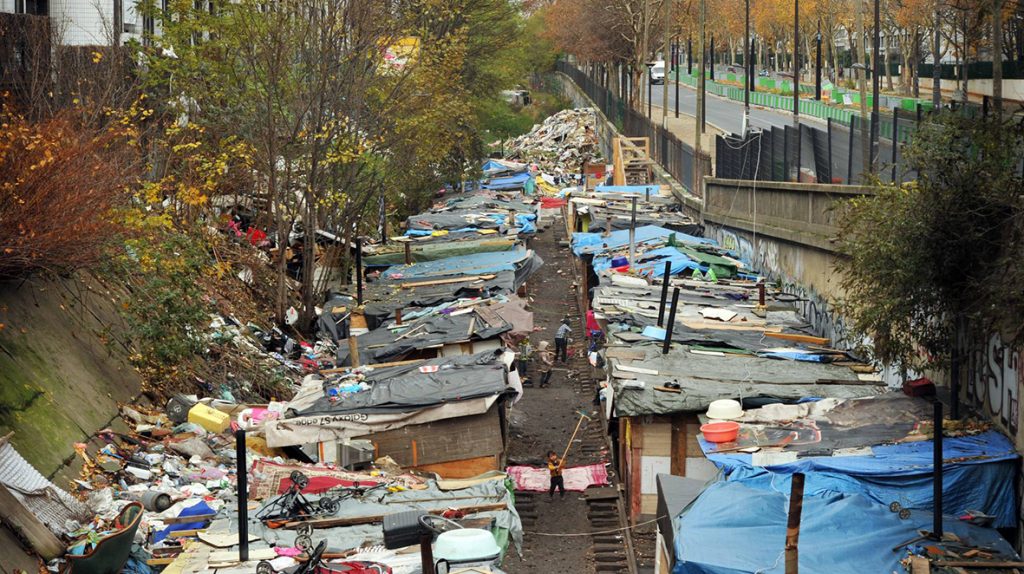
<point x="382" y="298"/>
<point x="452" y="220"/>
<point x="669" y="220"/>
<point x="407" y="387"/>
<point x="347" y="537"/>
<point x="431" y="248"/>
<point x="704" y="379"/>
<point x="483" y="201"/>
<point x="383" y="345"/>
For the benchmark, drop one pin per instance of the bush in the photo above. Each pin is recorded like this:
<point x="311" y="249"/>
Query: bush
<point x="59" y="182"/>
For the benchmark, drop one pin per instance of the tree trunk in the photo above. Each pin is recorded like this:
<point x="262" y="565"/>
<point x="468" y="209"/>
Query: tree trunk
<point x="917" y="62"/>
<point x="888" y="67"/>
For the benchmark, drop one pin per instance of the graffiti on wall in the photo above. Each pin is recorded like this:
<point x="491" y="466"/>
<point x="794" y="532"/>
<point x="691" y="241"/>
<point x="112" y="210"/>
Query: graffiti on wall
<point x="822" y="317"/>
<point x="993" y="378"/>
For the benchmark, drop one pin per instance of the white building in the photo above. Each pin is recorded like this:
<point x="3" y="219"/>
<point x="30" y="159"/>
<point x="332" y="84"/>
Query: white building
<point x="86" y="22"/>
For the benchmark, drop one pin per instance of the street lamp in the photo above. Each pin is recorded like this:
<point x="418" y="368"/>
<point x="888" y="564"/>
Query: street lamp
<point x="796" y="63"/>
<point x="817" y="73"/>
<point x="649" y="87"/>
<point x="748" y="66"/>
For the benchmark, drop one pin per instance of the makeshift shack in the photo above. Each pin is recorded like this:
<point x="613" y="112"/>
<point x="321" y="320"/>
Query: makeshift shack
<point x="445" y="415"/>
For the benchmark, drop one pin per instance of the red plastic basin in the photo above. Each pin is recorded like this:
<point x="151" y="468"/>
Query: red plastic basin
<point x="726" y="431"/>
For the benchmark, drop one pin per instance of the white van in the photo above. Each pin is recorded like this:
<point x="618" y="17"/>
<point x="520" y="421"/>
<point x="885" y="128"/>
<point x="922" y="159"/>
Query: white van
<point x="658" y="72"/>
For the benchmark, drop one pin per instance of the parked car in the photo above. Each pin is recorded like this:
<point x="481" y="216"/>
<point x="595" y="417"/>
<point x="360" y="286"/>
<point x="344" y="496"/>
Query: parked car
<point x="658" y="72"/>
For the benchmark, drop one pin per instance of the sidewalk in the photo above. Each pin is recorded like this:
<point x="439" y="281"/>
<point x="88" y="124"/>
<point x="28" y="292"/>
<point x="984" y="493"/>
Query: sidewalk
<point x="685" y="126"/>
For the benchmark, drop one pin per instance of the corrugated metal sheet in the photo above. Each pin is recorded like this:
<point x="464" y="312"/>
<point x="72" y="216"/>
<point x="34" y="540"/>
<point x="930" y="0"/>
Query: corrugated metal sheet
<point x="53" y="506"/>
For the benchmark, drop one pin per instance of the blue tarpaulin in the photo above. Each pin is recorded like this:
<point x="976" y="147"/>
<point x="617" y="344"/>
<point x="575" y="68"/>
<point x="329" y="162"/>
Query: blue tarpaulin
<point x="475" y="264"/>
<point x="732" y="528"/>
<point x="597" y="243"/>
<point x="978" y="475"/>
<point x="637" y="189"/>
<point x="652" y="264"/>
<point x="516" y="181"/>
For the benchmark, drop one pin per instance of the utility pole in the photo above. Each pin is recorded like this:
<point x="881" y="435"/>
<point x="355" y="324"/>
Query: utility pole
<point x="875" y="76"/>
<point x="689" y="55"/>
<point x="796" y="68"/>
<point x="748" y="67"/>
<point x="645" y="54"/>
<point x="665" y="63"/>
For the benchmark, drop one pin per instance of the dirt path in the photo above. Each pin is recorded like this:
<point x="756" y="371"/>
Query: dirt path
<point x="544" y="420"/>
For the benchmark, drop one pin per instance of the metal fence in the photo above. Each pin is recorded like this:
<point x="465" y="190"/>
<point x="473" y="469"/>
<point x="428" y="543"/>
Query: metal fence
<point x="835" y="154"/>
<point x="675" y="156"/>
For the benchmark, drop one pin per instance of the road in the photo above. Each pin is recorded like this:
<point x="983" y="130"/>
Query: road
<point x="724" y="113"/>
<point x="727" y="115"/>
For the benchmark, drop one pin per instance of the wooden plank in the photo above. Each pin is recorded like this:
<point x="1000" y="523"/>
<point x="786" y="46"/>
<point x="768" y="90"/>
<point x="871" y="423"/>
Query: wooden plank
<point x="185" y="533"/>
<point x="466" y="279"/>
<point x="187" y="519"/>
<point x="374" y="365"/>
<point x="465" y="468"/>
<point x="799" y="338"/>
<point x="920" y="565"/>
<point x="637" y="370"/>
<point x="161" y="561"/>
<point x="443" y="441"/>
<point x="677" y="466"/>
<point x="374" y="518"/>
<point x="24" y="522"/>
<point x="626" y="353"/>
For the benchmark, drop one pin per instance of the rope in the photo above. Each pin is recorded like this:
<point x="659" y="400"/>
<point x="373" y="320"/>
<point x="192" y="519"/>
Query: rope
<point x="569" y="534"/>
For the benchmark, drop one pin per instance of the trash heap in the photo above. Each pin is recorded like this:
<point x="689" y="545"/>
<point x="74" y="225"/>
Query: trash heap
<point x="165" y="492"/>
<point x="561" y="143"/>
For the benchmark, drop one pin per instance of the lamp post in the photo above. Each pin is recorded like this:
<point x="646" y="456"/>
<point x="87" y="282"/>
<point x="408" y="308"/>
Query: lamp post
<point x="817" y="65"/>
<point x="649" y="87"/>
<point x="796" y="63"/>
<point x="748" y="67"/>
<point x="677" y="66"/>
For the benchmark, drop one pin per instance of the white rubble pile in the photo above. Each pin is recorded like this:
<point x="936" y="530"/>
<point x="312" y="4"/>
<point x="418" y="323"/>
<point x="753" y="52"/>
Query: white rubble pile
<point x="560" y="144"/>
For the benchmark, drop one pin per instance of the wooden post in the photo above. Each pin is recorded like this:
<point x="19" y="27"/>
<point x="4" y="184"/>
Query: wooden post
<point x="27" y="526"/>
<point x="398" y="316"/>
<point x="664" y="293"/>
<point x="353" y="350"/>
<point x="796" y="506"/>
<point x="937" y="461"/>
<point x="678" y="461"/>
<point x="408" y="253"/>
<point x="242" y="476"/>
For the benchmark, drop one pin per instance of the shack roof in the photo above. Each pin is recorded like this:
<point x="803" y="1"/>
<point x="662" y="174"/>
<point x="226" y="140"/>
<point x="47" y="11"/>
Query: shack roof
<point x="523" y="262"/>
<point x="705" y="378"/>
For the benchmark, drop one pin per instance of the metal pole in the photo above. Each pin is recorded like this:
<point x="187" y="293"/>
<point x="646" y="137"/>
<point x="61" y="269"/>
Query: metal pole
<point x="895" y="140"/>
<point x="359" y="270"/>
<point x="664" y="292"/>
<point x="747" y="64"/>
<point x="711" y="57"/>
<point x="937" y="471"/>
<point x="671" y="321"/>
<point x="665" y="66"/>
<point x="677" y="66"/>
<point x="796" y="63"/>
<point x="752" y="73"/>
<point x="632" y="231"/>
<point x="242" y="476"/>
<point x="796" y="507"/>
<point x="876" y="68"/>
<point x="817" y="64"/>
<point x="649" y="88"/>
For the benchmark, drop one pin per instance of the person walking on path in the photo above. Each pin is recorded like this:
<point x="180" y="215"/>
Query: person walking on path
<point x="546" y="360"/>
<point x="555" y="467"/>
<point x="523" y="364"/>
<point x="562" y="341"/>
